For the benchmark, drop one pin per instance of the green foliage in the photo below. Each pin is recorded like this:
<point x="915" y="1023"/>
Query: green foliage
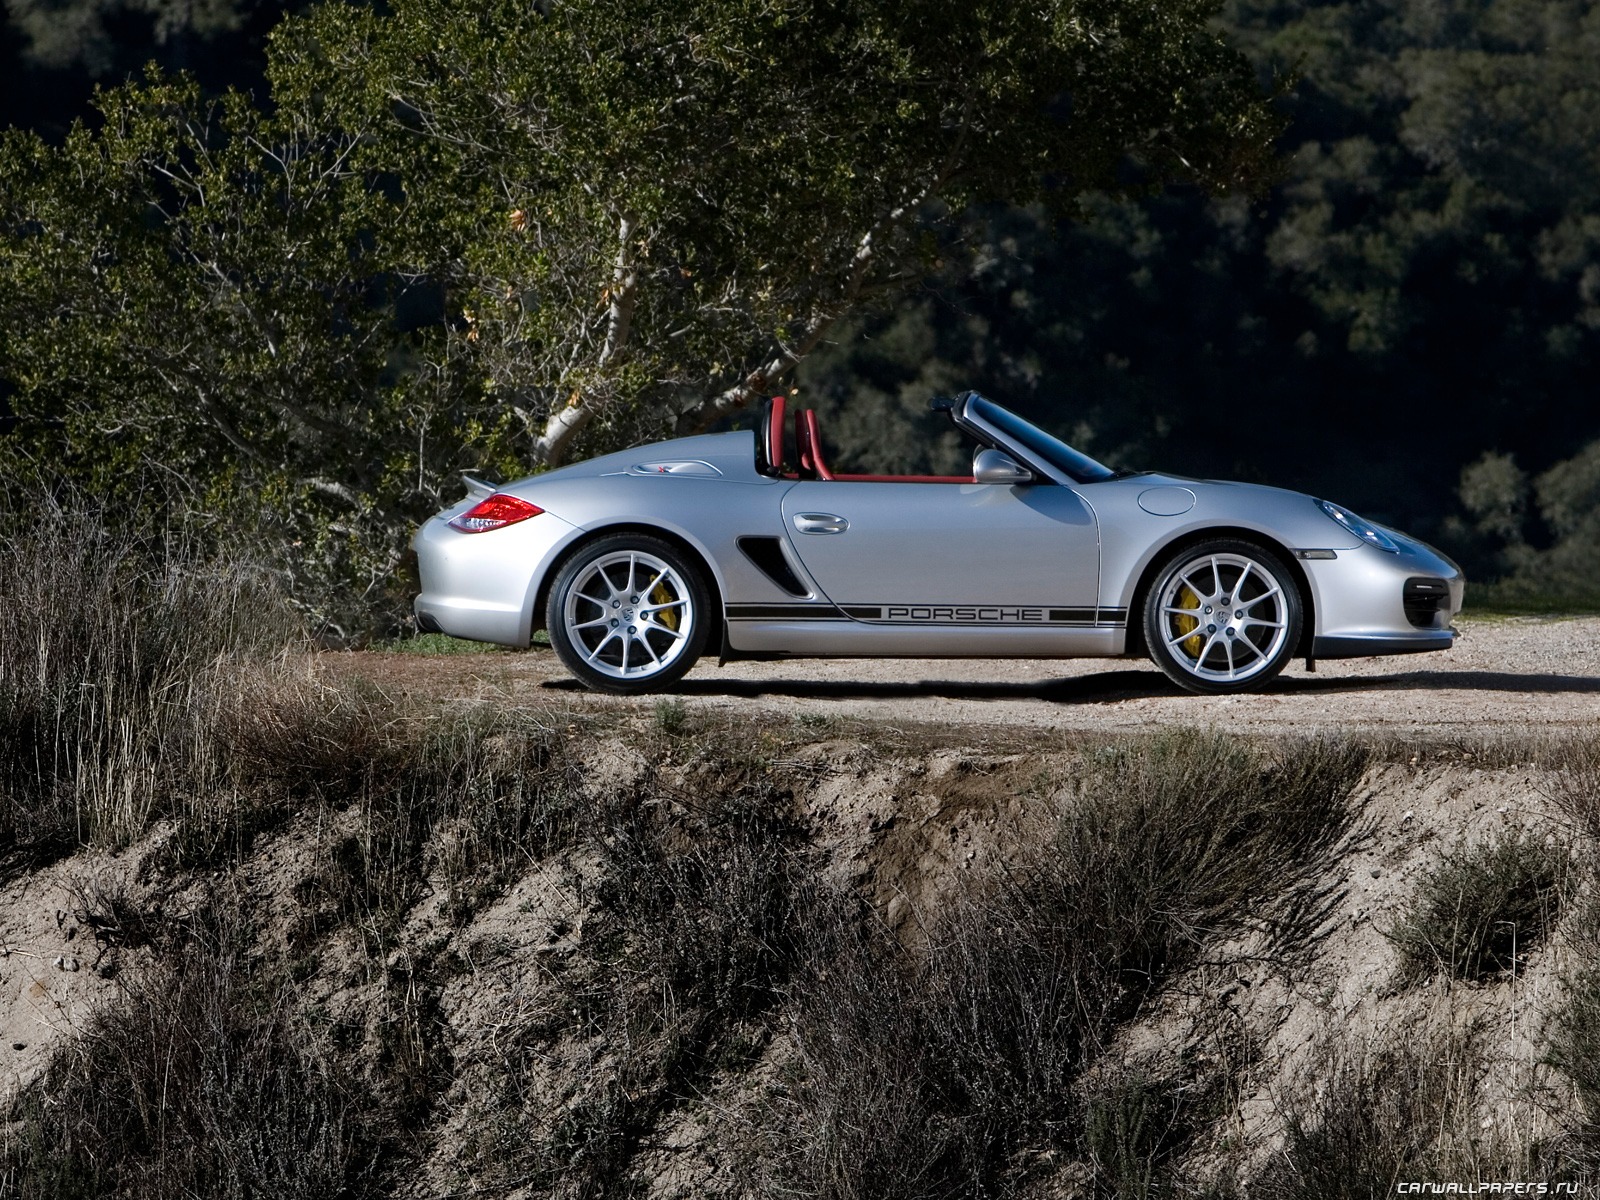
<point x="1132" y="1126"/>
<point x="602" y="260"/>
<point x="1484" y="907"/>
<point x="93" y="34"/>
<point x="672" y="717"/>
<point x="462" y="239"/>
<point x="190" y="331"/>
<point x="1568" y="499"/>
<point x="1419" y="289"/>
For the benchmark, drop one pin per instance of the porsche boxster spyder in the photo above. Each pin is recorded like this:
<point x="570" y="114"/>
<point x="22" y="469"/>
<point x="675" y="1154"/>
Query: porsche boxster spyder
<point x="746" y="544"/>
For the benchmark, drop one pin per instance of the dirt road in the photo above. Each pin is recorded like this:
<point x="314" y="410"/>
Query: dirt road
<point x="1502" y="677"/>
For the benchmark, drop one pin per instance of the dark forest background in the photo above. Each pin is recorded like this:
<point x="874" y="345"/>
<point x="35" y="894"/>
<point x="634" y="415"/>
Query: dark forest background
<point x="1407" y="321"/>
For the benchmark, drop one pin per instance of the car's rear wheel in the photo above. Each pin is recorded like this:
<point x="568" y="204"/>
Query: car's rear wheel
<point x="1223" y="616"/>
<point x="628" y="613"/>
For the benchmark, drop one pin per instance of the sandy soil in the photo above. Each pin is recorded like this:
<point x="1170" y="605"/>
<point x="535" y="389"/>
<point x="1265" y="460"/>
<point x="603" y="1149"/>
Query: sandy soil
<point x="902" y="824"/>
<point x="1502" y="677"/>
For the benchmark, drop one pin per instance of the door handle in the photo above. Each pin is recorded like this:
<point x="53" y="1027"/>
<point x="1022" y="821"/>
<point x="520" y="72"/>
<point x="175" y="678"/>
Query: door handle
<point x="820" y="523"/>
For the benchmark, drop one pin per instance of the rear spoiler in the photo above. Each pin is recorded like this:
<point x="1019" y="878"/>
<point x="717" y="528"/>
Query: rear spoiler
<point x="477" y="489"/>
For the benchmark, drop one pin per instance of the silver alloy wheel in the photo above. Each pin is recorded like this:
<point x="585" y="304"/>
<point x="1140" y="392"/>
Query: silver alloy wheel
<point x="1224" y="618"/>
<point x="629" y="615"/>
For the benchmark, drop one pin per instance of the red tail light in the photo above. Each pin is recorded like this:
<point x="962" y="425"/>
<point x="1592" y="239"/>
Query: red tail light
<point x="498" y="511"/>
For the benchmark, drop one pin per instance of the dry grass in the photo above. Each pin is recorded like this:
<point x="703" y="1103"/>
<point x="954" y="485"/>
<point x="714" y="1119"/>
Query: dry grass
<point x="457" y="805"/>
<point x="1485" y="907"/>
<point x="690" y="934"/>
<point x="113" y="652"/>
<point x="197" y="1081"/>
<point x="1575" y="1024"/>
<point x="979" y="1061"/>
<point x="1406" y="1108"/>
<point x="954" y="1073"/>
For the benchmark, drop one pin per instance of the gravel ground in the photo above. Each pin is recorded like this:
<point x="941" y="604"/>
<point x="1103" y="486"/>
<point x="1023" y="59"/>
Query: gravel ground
<point x="1504" y="676"/>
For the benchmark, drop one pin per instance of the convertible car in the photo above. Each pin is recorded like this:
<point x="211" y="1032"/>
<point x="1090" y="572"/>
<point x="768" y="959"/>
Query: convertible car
<point x="746" y="544"/>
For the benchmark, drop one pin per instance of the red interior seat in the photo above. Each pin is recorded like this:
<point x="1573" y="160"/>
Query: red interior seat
<point x="814" y="466"/>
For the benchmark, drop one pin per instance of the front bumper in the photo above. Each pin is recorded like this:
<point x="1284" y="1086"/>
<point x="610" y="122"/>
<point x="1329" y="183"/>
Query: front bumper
<point x="1366" y="647"/>
<point x="483" y="586"/>
<point x="1371" y="602"/>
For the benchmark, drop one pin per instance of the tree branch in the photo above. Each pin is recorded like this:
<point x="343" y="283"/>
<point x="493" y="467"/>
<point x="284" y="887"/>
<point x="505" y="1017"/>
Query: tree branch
<point x="711" y="410"/>
<point x="551" y="446"/>
<point x="624" y="291"/>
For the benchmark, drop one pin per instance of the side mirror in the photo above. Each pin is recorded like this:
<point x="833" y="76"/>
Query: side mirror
<point x="994" y="466"/>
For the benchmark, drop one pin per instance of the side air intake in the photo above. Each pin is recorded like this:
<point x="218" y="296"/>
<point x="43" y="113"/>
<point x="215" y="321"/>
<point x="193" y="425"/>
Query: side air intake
<point x="768" y="557"/>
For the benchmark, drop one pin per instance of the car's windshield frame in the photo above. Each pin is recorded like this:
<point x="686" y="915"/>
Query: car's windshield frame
<point x="989" y="420"/>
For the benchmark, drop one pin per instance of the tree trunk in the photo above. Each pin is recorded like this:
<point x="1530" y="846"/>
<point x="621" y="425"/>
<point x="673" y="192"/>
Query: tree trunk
<point x="550" y="448"/>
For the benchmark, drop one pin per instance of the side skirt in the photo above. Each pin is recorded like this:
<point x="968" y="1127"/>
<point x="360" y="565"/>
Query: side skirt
<point x="822" y="631"/>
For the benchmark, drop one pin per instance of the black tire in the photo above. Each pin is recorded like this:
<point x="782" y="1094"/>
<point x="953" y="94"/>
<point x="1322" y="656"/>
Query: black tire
<point x="1210" y="637"/>
<point x="629" y="614"/>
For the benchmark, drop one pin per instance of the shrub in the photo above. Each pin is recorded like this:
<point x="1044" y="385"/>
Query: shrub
<point x="467" y="798"/>
<point x="1575" y="1041"/>
<point x="689" y="933"/>
<point x="865" y="1114"/>
<point x="672" y="718"/>
<point x="1133" y="1125"/>
<point x="1486" y="905"/>
<point x="1575" y="1023"/>
<point x="975" y="1047"/>
<point x="195" y="1081"/>
<point x="1576" y="788"/>
<point x="1404" y="1109"/>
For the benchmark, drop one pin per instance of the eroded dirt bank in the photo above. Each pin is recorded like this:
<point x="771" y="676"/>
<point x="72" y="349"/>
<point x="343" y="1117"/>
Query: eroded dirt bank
<point x="658" y="950"/>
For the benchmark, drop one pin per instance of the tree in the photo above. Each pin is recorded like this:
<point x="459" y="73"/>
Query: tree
<point x="191" y="331"/>
<point x="54" y="52"/>
<point x="466" y="236"/>
<point x="1559" y="567"/>
<point x="656" y="209"/>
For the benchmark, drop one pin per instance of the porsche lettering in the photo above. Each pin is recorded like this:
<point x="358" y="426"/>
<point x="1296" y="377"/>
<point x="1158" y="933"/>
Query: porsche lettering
<point x="964" y="614"/>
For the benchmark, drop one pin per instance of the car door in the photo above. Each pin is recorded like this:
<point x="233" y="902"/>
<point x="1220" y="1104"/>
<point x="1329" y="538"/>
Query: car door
<point x="961" y="553"/>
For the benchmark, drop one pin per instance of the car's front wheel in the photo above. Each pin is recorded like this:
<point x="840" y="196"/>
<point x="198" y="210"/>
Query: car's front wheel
<point x="628" y="613"/>
<point x="1223" y="616"/>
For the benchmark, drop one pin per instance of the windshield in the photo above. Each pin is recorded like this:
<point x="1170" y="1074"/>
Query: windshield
<point x="1037" y="442"/>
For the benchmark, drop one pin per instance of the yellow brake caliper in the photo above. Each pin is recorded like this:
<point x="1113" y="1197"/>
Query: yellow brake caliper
<point x="670" y="617"/>
<point x="1187" y="624"/>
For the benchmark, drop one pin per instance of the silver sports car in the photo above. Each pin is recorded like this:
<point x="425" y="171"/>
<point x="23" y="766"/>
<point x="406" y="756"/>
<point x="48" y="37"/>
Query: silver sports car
<point x="746" y="543"/>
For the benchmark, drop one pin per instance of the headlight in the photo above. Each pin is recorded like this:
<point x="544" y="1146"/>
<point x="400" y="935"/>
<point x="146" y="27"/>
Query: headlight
<point x="1364" y="530"/>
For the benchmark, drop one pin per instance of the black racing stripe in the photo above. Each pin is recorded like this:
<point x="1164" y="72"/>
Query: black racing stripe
<point x="784" y="612"/>
<point x="1075" y="615"/>
<point x="879" y="613"/>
